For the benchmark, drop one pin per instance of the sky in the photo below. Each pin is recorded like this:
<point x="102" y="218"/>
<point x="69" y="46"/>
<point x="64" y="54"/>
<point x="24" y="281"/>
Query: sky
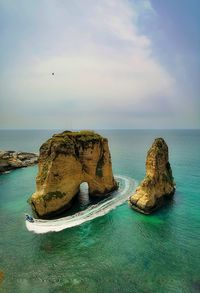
<point x="117" y="64"/>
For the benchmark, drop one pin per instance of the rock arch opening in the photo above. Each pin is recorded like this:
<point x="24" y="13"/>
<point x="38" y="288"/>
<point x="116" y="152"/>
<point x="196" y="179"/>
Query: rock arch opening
<point x="65" y="161"/>
<point x="83" y="195"/>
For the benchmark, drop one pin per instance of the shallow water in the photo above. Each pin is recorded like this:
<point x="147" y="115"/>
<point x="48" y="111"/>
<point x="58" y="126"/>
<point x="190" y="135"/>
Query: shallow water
<point x="123" y="251"/>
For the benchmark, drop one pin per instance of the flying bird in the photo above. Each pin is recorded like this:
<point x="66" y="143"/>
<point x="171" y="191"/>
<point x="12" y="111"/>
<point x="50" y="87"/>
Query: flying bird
<point x="52" y="73"/>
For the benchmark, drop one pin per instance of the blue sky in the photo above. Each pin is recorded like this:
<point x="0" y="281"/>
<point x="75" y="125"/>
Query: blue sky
<point x="117" y="64"/>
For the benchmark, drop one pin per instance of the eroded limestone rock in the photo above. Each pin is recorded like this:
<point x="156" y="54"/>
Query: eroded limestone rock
<point x="65" y="161"/>
<point x="10" y="160"/>
<point x="158" y="183"/>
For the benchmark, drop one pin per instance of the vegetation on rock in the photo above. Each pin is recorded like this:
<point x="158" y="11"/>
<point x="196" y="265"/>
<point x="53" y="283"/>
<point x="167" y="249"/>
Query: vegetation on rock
<point x="65" y="161"/>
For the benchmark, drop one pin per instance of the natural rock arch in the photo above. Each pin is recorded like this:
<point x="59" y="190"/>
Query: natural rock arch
<point x="66" y="160"/>
<point x="83" y="195"/>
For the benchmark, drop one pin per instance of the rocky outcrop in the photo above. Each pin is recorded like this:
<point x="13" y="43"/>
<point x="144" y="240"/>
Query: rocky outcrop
<point x="158" y="183"/>
<point x="65" y="161"/>
<point x="10" y="160"/>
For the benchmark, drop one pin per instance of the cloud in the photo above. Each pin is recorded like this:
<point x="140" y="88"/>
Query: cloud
<point x="101" y="60"/>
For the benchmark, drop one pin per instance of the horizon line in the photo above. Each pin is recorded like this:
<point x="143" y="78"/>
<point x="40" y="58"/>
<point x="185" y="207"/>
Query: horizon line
<point x="79" y="129"/>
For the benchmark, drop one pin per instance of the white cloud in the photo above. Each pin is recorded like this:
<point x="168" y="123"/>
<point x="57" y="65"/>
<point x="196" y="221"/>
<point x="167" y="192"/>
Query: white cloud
<point x="100" y="58"/>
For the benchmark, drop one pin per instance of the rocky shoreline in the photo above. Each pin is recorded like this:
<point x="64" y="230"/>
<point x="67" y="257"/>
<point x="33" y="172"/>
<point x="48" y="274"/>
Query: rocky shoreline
<point x="11" y="160"/>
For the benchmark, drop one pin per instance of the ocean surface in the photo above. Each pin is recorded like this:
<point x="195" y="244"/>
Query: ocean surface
<point x="122" y="251"/>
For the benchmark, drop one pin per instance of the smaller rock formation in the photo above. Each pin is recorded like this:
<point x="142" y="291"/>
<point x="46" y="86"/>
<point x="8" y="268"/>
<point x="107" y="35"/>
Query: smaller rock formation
<point x="66" y="160"/>
<point x="158" y="183"/>
<point x="10" y="160"/>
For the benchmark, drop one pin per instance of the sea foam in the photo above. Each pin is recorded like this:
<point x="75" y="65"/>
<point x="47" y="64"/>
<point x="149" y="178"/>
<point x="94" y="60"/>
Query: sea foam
<point x="126" y="188"/>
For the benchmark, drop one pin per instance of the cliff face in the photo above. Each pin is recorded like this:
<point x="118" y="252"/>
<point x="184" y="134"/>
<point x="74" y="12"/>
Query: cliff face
<point x="65" y="161"/>
<point x="158" y="183"/>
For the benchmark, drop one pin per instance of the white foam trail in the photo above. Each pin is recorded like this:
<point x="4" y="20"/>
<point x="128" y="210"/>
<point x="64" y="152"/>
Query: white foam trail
<point x="126" y="188"/>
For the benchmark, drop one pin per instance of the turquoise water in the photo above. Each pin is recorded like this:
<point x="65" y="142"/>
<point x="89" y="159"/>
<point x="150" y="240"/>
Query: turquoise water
<point x="123" y="251"/>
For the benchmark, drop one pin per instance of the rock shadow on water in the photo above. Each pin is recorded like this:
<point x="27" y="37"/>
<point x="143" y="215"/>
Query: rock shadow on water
<point x="79" y="203"/>
<point x="155" y="226"/>
<point x="196" y="286"/>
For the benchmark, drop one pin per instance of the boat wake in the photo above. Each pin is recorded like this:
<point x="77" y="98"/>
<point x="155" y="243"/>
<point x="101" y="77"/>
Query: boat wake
<point x="126" y="188"/>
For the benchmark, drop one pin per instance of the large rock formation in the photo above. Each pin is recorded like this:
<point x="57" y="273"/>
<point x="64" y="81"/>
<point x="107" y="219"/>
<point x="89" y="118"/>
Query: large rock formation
<point x="10" y="160"/>
<point x="158" y="183"/>
<point x="65" y="161"/>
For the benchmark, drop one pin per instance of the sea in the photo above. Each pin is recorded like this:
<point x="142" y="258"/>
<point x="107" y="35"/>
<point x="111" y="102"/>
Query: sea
<point x="122" y="251"/>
